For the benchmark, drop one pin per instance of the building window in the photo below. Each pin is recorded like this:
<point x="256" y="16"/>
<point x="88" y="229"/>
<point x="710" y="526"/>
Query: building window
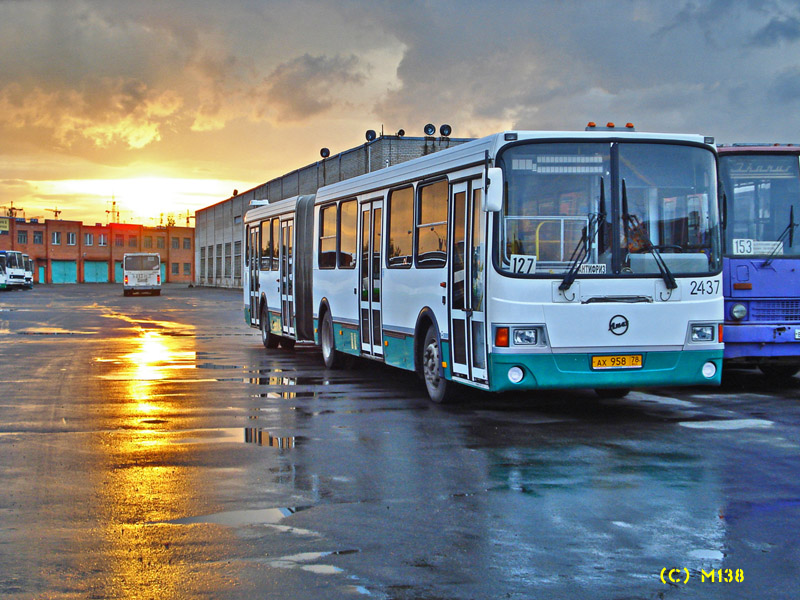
<point x="187" y="243"/>
<point x="175" y="268"/>
<point x="160" y="241"/>
<point x="22" y="236"/>
<point x="88" y="239"/>
<point x="237" y="260"/>
<point x="348" y="219"/>
<point x="210" y="263"/>
<point x="327" y="237"/>
<point x="147" y="241"/>
<point x="187" y="268"/>
<point x="218" y="262"/>
<point x="119" y="240"/>
<point x="72" y="238"/>
<point x="102" y="239"/>
<point x="228" y="259"/>
<point x="202" y="264"/>
<point x="431" y="250"/>
<point x="176" y="243"/>
<point x="38" y="237"/>
<point x="132" y="242"/>
<point x="55" y="238"/>
<point x="401" y="220"/>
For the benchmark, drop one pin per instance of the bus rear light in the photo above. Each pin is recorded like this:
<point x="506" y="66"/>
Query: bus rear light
<point x="126" y="280"/>
<point x="719" y="333"/>
<point x="501" y="337"/>
<point x="743" y="286"/>
<point x="158" y="278"/>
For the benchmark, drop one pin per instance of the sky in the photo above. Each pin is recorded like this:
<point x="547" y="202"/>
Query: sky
<point x="164" y="107"/>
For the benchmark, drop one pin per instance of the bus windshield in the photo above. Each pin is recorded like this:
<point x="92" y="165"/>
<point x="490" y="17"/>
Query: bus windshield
<point x="763" y="197"/>
<point x="141" y="263"/>
<point x="630" y="208"/>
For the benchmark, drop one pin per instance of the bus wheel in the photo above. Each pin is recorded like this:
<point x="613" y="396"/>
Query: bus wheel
<point x="329" y="354"/>
<point x="287" y="343"/>
<point x="779" y="371"/>
<point x="268" y="338"/>
<point x="612" y="392"/>
<point x="439" y="389"/>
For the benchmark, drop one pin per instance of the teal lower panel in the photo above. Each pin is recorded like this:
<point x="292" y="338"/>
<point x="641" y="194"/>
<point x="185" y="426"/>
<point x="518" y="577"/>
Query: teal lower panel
<point x="549" y="371"/>
<point x="346" y="339"/>
<point x="398" y="351"/>
<point x="247" y="315"/>
<point x="275" y="325"/>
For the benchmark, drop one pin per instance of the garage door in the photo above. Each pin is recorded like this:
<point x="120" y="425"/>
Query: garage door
<point x="95" y="271"/>
<point x="65" y="271"/>
<point x="118" y="271"/>
<point x="163" y="272"/>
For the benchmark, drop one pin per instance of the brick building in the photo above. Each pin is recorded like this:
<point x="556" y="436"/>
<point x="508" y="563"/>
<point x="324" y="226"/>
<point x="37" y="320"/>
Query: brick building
<point x="71" y="252"/>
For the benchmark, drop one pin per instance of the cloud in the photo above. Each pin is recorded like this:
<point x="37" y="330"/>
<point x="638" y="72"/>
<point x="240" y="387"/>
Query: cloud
<point x="778" y="30"/>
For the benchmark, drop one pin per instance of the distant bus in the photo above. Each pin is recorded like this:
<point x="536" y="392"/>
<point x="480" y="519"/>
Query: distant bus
<point x="141" y="272"/>
<point x="2" y="271"/>
<point x="28" y="267"/>
<point x="762" y="257"/>
<point x="15" y="269"/>
<point x="524" y="260"/>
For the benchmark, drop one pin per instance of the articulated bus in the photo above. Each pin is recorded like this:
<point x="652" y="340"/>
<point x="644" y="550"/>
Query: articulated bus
<point x="524" y="260"/>
<point x="15" y="269"/>
<point x="761" y="266"/>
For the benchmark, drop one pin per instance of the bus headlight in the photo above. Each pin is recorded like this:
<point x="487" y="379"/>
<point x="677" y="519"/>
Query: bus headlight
<point x="702" y="333"/>
<point x="739" y="311"/>
<point x="525" y="337"/>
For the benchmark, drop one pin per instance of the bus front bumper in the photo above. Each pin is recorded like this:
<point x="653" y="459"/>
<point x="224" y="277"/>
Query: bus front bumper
<point x="551" y="371"/>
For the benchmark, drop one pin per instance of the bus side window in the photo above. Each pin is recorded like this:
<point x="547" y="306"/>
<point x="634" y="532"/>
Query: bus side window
<point x="401" y="224"/>
<point x="348" y="219"/>
<point x="327" y="237"/>
<point x="264" y="246"/>
<point x="431" y="250"/>
<point x="275" y="237"/>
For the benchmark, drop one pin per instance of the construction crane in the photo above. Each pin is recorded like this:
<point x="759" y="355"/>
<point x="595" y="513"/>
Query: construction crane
<point x="188" y="216"/>
<point x="113" y="213"/>
<point x="55" y="211"/>
<point x="11" y="210"/>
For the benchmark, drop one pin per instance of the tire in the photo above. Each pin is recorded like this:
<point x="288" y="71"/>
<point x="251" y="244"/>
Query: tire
<point x="158" y="292"/>
<point x="612" y="393"/>
<point x="268" y="338"/>
<point x="126" y="292"/>
<point x="330" y="356"/>
<point x="439" y="389"/>
<point x="779" y="371"/>
<point x="287" y="343"/>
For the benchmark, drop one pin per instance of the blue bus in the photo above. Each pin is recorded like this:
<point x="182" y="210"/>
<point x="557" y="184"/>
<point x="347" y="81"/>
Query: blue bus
<point x="761" y="265"/>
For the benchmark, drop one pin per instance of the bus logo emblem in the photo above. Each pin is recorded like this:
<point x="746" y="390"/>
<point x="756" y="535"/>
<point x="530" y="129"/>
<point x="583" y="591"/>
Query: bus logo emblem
<point x="618" y="325"/>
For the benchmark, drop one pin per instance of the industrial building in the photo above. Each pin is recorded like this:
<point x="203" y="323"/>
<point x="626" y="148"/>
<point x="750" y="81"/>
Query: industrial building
<point x="219" y="231"/>
<point x="71" y="252"/>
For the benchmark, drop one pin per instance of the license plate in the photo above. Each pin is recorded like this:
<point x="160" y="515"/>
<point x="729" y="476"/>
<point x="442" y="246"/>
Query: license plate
<point x="141" y="278"/>
<point x="617" y="361"/>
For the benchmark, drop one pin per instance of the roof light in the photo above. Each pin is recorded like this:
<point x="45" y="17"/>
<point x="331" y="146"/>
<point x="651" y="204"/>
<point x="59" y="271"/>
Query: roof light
<point x="591" y="124"/>
<point x="629" y="125"/>
<point x="610" y="125"/>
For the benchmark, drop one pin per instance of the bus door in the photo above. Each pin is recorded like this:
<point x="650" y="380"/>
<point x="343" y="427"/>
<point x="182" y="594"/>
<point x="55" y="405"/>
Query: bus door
<point x="466" y="285"/>
<point x="370" y="276"/>
<point x="286" y="275"/>
<point x="253" y="259"/>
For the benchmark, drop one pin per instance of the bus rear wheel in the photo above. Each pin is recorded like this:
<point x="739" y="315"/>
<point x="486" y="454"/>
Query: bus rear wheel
<point x="330" y="355"/>
<point x="267" y="337"/>
<point x="439" y="389"/>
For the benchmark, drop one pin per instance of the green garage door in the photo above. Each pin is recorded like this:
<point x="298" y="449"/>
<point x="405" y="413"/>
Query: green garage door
<point x="118" y="271"/>
<point x="65" y="271"/>
<point x="163" y="272"/>
<point x="95" y="271"/>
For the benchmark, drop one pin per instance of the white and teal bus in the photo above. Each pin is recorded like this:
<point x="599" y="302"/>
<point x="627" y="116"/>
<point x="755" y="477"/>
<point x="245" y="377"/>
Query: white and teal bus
<point x="15" y="269"/>
<point x="524" y="260"/>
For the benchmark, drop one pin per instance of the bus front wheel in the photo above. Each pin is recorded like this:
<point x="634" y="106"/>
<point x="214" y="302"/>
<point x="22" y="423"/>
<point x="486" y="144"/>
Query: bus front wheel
<point x="439" y="389"/>
<point x="329" y="354"/>
<point x="267" y="337"/>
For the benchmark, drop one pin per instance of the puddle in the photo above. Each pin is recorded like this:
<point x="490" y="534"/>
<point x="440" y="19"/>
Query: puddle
<point x="52" y="331"/>
<point x="707" y="554"/>
<point x="729" y="425"/>
<point x="302" y="560"/>
<point x="239" y="518"/>
<point x="247" y="435"/>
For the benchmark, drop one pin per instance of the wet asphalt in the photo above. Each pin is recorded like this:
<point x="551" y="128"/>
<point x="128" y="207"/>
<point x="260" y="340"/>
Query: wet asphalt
<point x="150" y="447"/>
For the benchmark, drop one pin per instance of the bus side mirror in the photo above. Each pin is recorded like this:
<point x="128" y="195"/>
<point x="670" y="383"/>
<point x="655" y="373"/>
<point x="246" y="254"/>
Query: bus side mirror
<point x="493" y="199"/>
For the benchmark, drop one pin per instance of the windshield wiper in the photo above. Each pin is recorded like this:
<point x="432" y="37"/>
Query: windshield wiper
<point x="589" y="232"/>
<point x="789" y="231"/>
<point x="631" y="223"/>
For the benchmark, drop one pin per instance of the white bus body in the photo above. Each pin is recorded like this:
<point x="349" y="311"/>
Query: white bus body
<point x="3" y="271"/>
<point x="601" y="268"/>
<point x="15" y="269"/>
<point x="141" y="272"/>
<point x="28" y="268"/>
